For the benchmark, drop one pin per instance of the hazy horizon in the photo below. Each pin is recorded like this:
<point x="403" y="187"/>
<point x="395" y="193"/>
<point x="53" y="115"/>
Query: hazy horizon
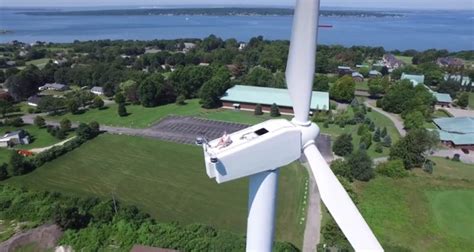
<point x="365" y="4"/>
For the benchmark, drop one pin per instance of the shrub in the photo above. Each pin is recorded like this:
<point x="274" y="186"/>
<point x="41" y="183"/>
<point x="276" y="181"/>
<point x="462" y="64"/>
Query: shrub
<point x="39" y="121"/>
<point x="393" y="169"/>
<point x="387" y="141"/>
<point x="181" y="100"/>
<point x="366" y="139"/>
<point x="343" y="145"/>
<point x="122" y="110"/>
<point x="378" y="147"/>
<point x="341" y="168"/>
<point x="3" y="172"/>
<point x="31" y="110"/>
<point x="274" y="111"/>
<point x="369" y="109"/>
<point x="361" y="165"/>
<point x="376" y="137"/>
<point x="15" y="122"/>
<point x="258" y="110"/>
<point x="97" y="102"/>
<point x="384" y="132"/>
<point x="362" y="130"/>
<point x="65" y="124"/>
<point x="456" y="157"/>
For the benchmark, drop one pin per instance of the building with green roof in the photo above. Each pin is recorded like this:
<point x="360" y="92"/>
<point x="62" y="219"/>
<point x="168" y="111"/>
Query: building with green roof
<point x="456" y="132"/>
<point x="442" y="99"/>
<point x="247" y="97"/>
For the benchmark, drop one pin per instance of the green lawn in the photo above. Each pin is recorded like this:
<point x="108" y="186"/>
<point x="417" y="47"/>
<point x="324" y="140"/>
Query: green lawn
<point x="168" y="181"/>
<point x="441" y="113"/>
<point x="40" y="137"/>
<point x="141" y="117"/>
<point x="380" y="121"/>
<point x="453" y="211"/>
<point x="422" y="212"/>
<point x="406" y="59"/>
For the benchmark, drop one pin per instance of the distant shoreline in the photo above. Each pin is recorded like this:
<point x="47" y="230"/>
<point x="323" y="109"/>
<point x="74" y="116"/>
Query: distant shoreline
<point x="208" y="12"/>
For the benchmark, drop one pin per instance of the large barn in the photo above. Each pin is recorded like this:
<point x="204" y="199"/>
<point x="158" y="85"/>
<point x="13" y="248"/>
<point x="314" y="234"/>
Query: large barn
<point x="247" y="97"/>
<point x="457" y="132"/>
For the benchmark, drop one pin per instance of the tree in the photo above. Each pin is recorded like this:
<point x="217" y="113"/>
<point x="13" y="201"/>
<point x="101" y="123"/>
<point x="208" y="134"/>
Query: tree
<point x="384" y="132"/>
<point x="376" y="86"/>
<point x="213" y="89"/>
<point x="51" y="104"/>
<point x="274" y="110"/>
<point x="5" y="107"/>
<point x="387" y="141"/>
<point x="84" y="131"/>
<point x="98" y="102"/>
<point x="343" y="145"/>
<point x="25" y="83"/>
<point x="72" y="106"/>
<point x="149" y="90"/>
<point x="366" y="140"/>
<point x="39" y="121"/>
<point x="341" y="168"/>
<point x="258" y="110"/>
<point x="70" y="218"/>
<point x="364" y="128"/>
<point x="189" y="79"/>
<point x="343" y="89"/>
<point x="321" y="83"/>
<point x="260" y="76"/>
<point x="95" y="128"/>
<point x="361" y="165"/>
<point x="122" y="110"/>
<point x="412" y="147"/>
<point x="364" y="71"/>
<point x="119" y="98"/>
<point x="65" y="124"/>
<point x="463" y="100"/>
<point x="378" y="147"/>
<point x="18" y="164"/>
<point x="414" y="120"/>
<point x="376" y="137"/>
<point x="3" y="171"/>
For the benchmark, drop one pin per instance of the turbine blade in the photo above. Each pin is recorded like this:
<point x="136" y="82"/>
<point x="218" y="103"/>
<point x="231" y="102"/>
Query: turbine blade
<point x="301" y="57"/>
<point x="340" y="205"/>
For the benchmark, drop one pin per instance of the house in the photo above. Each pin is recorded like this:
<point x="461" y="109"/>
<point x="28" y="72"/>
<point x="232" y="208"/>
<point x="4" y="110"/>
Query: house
<point x="97" y="90"/>
<point x="188" y="47"/>
<point x="203" y="64"/>
<point x="344" y="70"/>
<point x="391" y="62"/>
<point x="357" y="77"/>
<point x="456" y="132"/>
<point x="456" y="77"/>
<point x="247" y="97"/>
<point x="374" y="74"/>
<point x="414" y="78"/>
<point x="53" y="86"/>
<point x="34" y="100"/>
<point x="11" y="63"/>
<point x="442" y="99"/>
<point x="60" y="61"/>
<point x="450" y="62"/>
<point x="14" y="138"/>
<point x="242" y="46"/>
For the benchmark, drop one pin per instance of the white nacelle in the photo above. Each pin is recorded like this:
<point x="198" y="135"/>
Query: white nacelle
<point x="262" y="147"/>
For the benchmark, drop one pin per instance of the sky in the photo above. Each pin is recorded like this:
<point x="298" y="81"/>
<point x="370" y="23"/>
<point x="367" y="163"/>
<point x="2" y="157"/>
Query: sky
<point x="360" y="4"/>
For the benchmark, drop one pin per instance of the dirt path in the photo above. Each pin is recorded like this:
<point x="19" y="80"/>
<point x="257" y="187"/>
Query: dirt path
<point x="38" y="150"/>
<point x="394" y="118"/>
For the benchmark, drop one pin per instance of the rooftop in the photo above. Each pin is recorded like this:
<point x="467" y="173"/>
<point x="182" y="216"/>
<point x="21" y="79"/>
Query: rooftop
<point x="443" y="97"/>
<point x="268" y="96"/>
<point x="462" y="125"/>
<point x="465" y="79"/>
<point x="414" y="78"/>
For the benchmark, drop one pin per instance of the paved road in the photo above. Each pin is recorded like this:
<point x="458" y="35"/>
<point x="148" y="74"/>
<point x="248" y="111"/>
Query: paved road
<point x="456" y="112"/>
<point x="394" y="118"/>
<point x="465" y="158"/>
<point x="312" y="229"/>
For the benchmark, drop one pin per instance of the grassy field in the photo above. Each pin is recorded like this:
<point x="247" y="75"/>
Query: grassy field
<point x="166" y="180"/>
<point x="362" y="85"/>
<point x="406" y="59"/>
<point x="422" y="212"/>
<point x="380" y="121"/>
<point x="141" y="117"/>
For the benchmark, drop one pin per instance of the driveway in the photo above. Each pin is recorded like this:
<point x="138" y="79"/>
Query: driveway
<point x="465" y="158"/>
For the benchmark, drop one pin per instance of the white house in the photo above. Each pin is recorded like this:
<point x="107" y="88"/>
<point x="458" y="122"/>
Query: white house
<point x="53" y="86"/>
<point x="97" y="90"/>
<point x="14" y="138"/>
<point x="33" y="100"/>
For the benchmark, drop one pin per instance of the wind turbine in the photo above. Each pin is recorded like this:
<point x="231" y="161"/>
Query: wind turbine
<point x="259" y="150"/>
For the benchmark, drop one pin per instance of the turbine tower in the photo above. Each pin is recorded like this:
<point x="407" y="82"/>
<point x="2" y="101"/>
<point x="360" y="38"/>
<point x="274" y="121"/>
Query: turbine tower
<point x="259" y="151"/>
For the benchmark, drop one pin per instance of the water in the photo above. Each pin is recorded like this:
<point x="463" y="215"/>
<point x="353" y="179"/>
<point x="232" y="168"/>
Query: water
<point x="452" y="30"/>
